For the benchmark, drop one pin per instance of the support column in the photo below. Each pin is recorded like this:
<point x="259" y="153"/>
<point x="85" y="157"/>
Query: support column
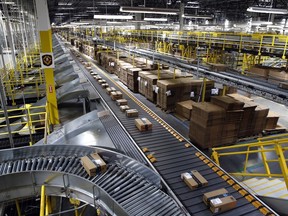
<point x="138" y="17"/>
<point x="10" y="38"/>
<point x="46" y="47"/>
<point x="181" y="18"/>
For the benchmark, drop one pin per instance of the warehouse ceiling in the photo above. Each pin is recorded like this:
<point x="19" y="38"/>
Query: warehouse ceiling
<point x="65" y="11"/>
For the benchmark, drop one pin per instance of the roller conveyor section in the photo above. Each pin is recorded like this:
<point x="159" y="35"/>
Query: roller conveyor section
<point x="126" y="188"/>
<point x="173" y="158"/>
<point x="256" y="87"/>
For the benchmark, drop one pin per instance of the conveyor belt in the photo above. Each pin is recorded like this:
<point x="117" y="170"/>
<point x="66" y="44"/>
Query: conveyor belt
<point x="173" y="158"/>
<point x="126" y="188"/>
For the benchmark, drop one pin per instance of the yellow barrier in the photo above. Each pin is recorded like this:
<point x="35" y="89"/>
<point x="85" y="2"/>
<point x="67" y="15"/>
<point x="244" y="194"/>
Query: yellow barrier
<point x="263" y="146"/>
<point x="31" y="120"/>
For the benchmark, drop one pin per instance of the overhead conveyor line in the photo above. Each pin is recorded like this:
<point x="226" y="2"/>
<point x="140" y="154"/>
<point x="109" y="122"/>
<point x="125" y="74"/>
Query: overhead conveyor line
<point x="253" y="86"/>
<point x="120" y="190"/>
<point x="173" y="158"/>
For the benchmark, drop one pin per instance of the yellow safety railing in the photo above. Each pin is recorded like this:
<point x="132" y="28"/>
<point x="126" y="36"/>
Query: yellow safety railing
<point x="27" y="120"/>
<point x="275" y="145"/>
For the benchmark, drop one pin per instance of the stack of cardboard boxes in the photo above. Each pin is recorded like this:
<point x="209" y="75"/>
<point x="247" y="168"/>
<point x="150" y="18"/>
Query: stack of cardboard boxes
<point x="184" y="108"/>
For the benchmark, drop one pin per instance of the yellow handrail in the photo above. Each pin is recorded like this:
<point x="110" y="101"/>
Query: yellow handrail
<point x="263" y="146"/>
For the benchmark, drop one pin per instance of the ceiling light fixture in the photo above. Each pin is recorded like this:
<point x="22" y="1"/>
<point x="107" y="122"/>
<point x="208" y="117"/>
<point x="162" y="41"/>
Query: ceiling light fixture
<point x="267" y="10"/>
<point x="113" y="17"/>
<point x="198" y="17"/>
<point x="155" y="19"/>
<point x="149" y="10"/>
<point x="8" y="3"/>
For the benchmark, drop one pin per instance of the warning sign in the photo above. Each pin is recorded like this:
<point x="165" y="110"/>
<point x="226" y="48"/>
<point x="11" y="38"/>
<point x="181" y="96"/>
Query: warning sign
<point x="47" y="60"/>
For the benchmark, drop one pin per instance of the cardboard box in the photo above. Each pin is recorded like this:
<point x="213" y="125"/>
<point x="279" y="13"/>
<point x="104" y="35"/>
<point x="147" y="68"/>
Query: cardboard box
<point x="109" y="90"/>
<point x="121" y="102"/>
<point x="219" y="200"/>
<point x="116" y="95"/>
<point x="271" y="120"/>
<point x="227" y="102"/>
<point x="132" y="113"/>
<point x="97" y="77"/>
<point x="143" y="124"/>
<point x="105" y="85"/>
<point x="184" y="108"/>
<point x="93" y="164"/>
<point x="283" y="85"/>
<point x="124" y="108"/>
<point x="101" y="81"/>
<point x="194" y="179"/>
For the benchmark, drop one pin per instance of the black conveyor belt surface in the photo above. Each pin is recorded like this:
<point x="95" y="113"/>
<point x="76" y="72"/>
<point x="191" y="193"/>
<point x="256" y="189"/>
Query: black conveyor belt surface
<point x="173" y="158"/>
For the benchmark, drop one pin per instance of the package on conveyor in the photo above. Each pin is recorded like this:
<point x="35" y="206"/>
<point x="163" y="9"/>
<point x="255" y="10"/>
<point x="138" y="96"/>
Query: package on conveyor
<point x="184" y="108"/>
<point x="143" y="124"/>
<point x="271" y="120"/>
<point x="121" y="102"/>
<point x="283" y="85"/>
<point x="123" y="108"/>
<point x="109" y="90"/>
<point x="219" y="200"/>
<point x="217" y="67"/>
<point x="105" y="85"/>
<point x="93" y="164"/>
<point x="258" y="71"/>
<point x="116" y="95"/>
<point x="97" y="77"/>
<point x="276" y="76"/>
<point x="132" y="113"/>
<point x="194" y="179"/>
<point x="132" y="79"/>
<point x="101" y="81"/>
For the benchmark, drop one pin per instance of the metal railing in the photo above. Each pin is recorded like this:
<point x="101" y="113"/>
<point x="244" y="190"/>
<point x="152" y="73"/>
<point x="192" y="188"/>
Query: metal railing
<point x="275" y="145"/>
<point x="26" y="120"/>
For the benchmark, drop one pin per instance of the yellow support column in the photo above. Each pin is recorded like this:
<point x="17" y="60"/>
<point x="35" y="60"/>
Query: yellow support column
<point x="224" y="90"/>
<point x="42" y="201"/>
<point x="47" y="58"/>
<point x="18" y="208"/>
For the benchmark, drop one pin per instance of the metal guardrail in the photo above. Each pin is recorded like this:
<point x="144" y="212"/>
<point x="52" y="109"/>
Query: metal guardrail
<point x="276" y="145"/>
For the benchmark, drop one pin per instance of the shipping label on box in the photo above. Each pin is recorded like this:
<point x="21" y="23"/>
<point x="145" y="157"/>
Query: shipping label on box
<point x="219" y="200"/>
<point x="194" y="179"/>
<point x="132" y="113"/>
<point x="143" y="124"/>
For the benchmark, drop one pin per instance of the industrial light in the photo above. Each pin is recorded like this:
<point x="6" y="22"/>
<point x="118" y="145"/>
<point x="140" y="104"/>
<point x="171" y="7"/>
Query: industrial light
<point x="155" y="19"/>
<point x="113" y="17"/>
<point x="267" y="10"/>
<point x="197" y="17"/>
<point x="149" y="10"/>
<point x="66" y="8"/>
<point x="258" y="23"/>
<point x="8" y="3"/>
<point x="65" y="3"/>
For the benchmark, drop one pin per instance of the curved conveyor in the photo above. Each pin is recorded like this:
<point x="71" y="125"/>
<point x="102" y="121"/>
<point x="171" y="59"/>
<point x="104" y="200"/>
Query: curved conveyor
<point x="126" y="188"/>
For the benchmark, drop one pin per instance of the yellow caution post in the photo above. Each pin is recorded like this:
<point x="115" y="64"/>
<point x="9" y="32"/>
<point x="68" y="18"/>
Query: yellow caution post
<point x="47" y="60"/>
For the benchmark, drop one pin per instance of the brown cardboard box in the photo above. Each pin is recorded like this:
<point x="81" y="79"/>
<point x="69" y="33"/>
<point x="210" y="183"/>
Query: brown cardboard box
<point x="194" y="179"/>
<point x="132" y="113"/>
<point x="115" y="95"/>
<point x="271" y="120"/>
<point x="222" y="205"/>
<point x="184" y="108"/>
<point x="124" y="108"/>
<point x="99" y="161"/>
<point x="143" y="124"/>
<point x="97" y="77"/>
<point x="132" y="79"/>
<point x="217" y="67"/>
<point x="227" y="102"/>
<point x="109" y="90"/>
<point x="259" y="71"/>
<point x="105" y="85"/>
<point x="93" y="163"/>
<point x="88" y="165"/>
<point x="283" y="85"/>
<point x="101" y="81"/>
<point x="121" y="102"/>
